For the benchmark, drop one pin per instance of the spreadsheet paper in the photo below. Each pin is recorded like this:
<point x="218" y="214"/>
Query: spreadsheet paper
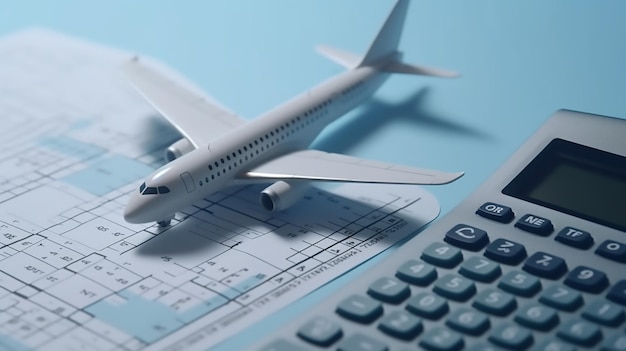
<point x="76" y="141"/>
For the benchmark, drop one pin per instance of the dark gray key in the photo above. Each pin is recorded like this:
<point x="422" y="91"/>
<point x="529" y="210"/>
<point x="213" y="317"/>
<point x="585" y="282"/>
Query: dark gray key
<point x="427" y="305"/>
<point x="360" y="342"/>
<point x="480" y="269"/>
<point x="520" y="283"/>
<point x="579" y="332"/>
<point x="511" y="336"/>
<point x="441" y="339"/>
<point x="360" y="308"/>
<point x="401" y="324"/>
<point x="442" y="255"/>
<point x="389" y="290"/>
<point x="455" y="287"/>
<point x="604" y="312"/>
<point x="320" y="331"/>
<point x="551" y="344"/>
<point x="561" y="297"/>
<point x="587" y="279"/>
<point x="467" y="237"/>
<point x="615" y="342"/>
<point x="494" y="301"/>
<point x="417" y="272"/>
<point x="468" y="321"/>
<point x="282" y="345"/>
<point x="537" y="317"/>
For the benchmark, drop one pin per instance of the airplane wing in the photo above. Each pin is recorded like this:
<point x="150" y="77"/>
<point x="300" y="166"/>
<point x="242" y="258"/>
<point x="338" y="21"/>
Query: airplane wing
<point x="195" y="117"/>
<point x="322" y="166"/>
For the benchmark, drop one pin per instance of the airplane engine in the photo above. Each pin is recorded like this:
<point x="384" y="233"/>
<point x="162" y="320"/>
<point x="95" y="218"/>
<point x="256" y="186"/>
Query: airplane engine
<point x="281" y="195"/>
<point x="178" y="149"/>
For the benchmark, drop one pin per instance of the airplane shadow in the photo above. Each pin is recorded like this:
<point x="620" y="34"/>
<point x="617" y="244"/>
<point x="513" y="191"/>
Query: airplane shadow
<point x="375" y="113"/>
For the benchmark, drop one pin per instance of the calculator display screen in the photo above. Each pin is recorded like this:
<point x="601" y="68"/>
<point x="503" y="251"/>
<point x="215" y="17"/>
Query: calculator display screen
<point x="578" y="180"/>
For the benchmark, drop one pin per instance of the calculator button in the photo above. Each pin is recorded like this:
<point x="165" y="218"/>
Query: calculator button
<point x="587" y="279"/>
<point x="496" y="212"/>
<point x="441" y="339"/>
<point x="455" y="287"/>
<point x="360" y="342"/>
<point x="545" y="265"/>
<point x="506" y="251"/>
<point x="320" y="331"/>
<point x="417" y="272"/>
<point x="520" y="283"/>
<point x="495" y="302"/>
<point x="551" y="344"/>
<point x="511" y="336"/>
<point x="401" y="324"/>
<point x="535" y="224"/>
<point x="575" y="237"/>
<point x="282" y="345"/>
<point x="615" y="342"/>
<point x="442" y="255"/>
<point x="484" y="347"/>
<point x="360" y="309"/>
<point x="561" y="297"/>
<point x="480" y="269"/>
<point x="537" y="317"/>
<point x="389" y="290"/>
<point x="613" y="250"/>
<point x="427" y="305"/>
<point x="604" y="312"/>
<point x="618" y="293"/>
<point x="579" y="332"/>
<point x="468" y="321"/>
<point x="467" y="237"/>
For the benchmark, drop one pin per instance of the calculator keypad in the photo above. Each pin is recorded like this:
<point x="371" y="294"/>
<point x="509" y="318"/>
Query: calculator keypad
<point x="469" y="291"/>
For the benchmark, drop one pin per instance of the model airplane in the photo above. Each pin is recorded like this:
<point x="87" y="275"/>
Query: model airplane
<point x="220" y="149"/>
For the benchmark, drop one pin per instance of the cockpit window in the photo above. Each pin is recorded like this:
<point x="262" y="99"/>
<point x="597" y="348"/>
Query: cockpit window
<point x="150" y="190"/>
<point x="163" y="190"/>
<point x="142" y="187"/>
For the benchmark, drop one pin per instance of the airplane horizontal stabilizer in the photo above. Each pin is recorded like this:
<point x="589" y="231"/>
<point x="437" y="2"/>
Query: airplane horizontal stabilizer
<point x="342" y="57"/>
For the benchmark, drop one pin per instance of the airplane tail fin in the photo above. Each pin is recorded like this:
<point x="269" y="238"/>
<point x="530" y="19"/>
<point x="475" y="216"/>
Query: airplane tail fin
<point x="384" y="49"/>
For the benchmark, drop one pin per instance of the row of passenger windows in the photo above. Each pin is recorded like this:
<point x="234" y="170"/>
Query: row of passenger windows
<point x="270" y="139"/>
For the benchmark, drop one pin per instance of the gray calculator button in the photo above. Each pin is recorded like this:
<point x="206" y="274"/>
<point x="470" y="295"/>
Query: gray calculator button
<point x="389" y="290"/>
<point x="561" y="297"/>
<point x="615" y="342"/>
<point x="551" y="344"/>
<point x="455" y="287"/>
<point x="484" y="347"/>
<point x="480" y="269"/>
<point x="360" y="308"/>
<point x="282" y="345"/>
<point x="360" y="342"/>
<point x="468" y="321"/>
<point x="417" y="272"/>
<point x="441" y="339"/>
<point x="401" y="324"/>
<point x="520" y="283"/>
<point x="579" y="332"/>
<point x="494" y="301"/>
<point x="427" y="305"/>
<point x="604" y="312"/>
<point x="537" y="317"/>
<point x="442" y="255"/>
<point x="511" y="336"/>
<point x="320" y="331"/>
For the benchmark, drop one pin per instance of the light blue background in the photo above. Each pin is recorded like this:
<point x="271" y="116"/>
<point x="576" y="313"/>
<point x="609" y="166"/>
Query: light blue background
<point x="520" y="61"/>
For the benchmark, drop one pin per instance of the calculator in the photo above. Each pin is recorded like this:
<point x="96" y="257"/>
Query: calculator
<point x="534" y="259"/>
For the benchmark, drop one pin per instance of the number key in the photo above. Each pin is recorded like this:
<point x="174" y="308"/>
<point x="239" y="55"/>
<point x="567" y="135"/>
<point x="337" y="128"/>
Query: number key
<point x="455" y="287"/>
<point x="520" y="283"/>
<point x="389" y="290"/>
<point x="416" y="272"/>
<point x="545" y="265"/>
<point x="561" y="297"/>
<point x="320" y="331"/>
<point x="442" y="255"/>
<point x="495" y="302"/>
<point x="480" y="269"/>
<point x="360" y="308"/>
<point x="587" y="279"/>
<point x="505" y="251"/>
<point x="613" y="250"/>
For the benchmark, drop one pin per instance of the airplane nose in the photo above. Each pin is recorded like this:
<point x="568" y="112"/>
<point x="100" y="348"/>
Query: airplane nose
<point x="134" y="211"/>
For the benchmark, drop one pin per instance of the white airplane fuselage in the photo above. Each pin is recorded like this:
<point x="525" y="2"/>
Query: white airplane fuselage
<point x="290" y="126"/>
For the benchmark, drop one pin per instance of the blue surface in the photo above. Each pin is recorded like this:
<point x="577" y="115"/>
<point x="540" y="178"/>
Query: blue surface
<point x="520" y="61"/>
